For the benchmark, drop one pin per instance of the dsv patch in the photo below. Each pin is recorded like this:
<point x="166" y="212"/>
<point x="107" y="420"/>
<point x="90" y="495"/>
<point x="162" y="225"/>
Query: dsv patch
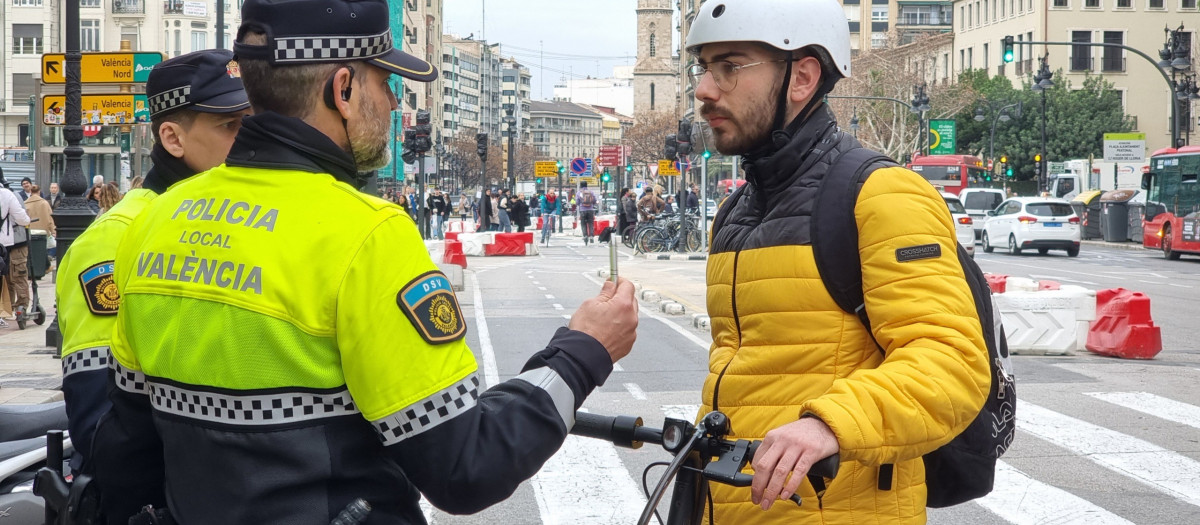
<point x="429" y="302"/>
<point x="916" y="253"/>
<point x="99" y="289"/>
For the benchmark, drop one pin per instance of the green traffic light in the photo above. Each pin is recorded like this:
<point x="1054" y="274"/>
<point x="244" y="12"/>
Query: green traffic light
<point x="1009" y="173"/>
<point x="629" y="167"/>
<point x="1007" y="44"/>
<point x="707" y="154"/>
<point x="1008" y="56"/>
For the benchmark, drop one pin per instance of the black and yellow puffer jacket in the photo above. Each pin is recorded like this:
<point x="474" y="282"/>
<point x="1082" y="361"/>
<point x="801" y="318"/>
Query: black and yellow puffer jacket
<point x="782" y="347"/>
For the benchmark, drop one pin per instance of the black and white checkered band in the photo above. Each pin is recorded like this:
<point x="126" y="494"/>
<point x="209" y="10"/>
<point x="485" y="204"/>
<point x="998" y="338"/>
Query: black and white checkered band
<point x="86" y="360"/>
<point x="128" y="380"/>
<point x="430" y="412"/>
<point x="168" y="100"/>
<point x="250" y="409"/>
<point x="325" y="48"/>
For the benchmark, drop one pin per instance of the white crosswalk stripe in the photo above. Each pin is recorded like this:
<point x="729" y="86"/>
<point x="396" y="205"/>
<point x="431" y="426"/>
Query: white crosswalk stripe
<point x="1020" y="499"/>
<point x="1154" y="405"/>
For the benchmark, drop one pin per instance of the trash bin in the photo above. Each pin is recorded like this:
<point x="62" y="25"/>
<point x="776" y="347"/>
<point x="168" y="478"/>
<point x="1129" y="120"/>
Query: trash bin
<point x="1114" y="220"/>
<point x="38" y="260"/>
<point x="1137" y="212"/>
<point x="1087" y="207"/>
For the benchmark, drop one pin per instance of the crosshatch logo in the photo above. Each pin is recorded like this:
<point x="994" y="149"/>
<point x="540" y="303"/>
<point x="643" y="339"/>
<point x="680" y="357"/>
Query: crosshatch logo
<point x="915" y="253"/>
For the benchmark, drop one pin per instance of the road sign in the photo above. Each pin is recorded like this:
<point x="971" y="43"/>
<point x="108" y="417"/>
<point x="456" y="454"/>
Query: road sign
<point x="1056" y="167"/>
<point x="942" y="137"/>
<point x="611" y="155"/>
<point x="545" y="168"/>
<point x="101" y="68"/>
<point x="581" y="166"/>
<point x="1124" y="147"/>
<point x="682" y="165"/>
<point x="115" y="108"/>
<point x="666" y="168"/>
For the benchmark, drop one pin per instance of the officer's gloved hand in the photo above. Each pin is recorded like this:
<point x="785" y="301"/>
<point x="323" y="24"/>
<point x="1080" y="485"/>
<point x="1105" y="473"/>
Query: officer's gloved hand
<point x="611" y="318"/>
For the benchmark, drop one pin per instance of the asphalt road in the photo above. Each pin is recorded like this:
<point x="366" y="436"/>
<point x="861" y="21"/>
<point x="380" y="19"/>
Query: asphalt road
<point x="1100" y="440"/>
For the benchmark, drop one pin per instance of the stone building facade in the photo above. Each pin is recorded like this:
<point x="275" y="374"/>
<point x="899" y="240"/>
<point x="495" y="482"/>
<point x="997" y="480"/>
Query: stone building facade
<point x="656" y="73"/>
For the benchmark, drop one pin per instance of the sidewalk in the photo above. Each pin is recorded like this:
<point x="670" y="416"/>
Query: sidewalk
<point x="1116" y="245"/>
<point x="30" y="371"/>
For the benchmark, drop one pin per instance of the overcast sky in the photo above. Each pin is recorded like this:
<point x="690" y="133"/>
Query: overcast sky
<point x="584" y="38"/>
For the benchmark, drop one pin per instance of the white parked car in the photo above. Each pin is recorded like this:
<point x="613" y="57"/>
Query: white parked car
<point x="979" y="201"/>
<point x="1037" y="223"/>
<point x="963" y="225"/>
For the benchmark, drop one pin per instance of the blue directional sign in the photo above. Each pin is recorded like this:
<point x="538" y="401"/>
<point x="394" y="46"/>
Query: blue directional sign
<point x="581" y="167"/>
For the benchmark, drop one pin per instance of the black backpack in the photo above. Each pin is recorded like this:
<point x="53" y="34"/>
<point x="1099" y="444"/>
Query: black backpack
<point x="964" y="468"/>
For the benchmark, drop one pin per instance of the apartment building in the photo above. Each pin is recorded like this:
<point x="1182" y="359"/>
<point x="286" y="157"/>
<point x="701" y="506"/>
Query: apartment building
<point x="564" y="130"/>
<point x="420" y="36"/>
<point x="980" y="26"/>
<point x="615" y="92"/>
<point x="515" y="94"/>
<point x="33" y="27"/>
<point x="461" y="82"/>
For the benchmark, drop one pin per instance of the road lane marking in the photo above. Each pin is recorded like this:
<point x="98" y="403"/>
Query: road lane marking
<point x="1151" y="282"/>
<point x="567" y="317"/>
<point x="684" y="412"/>
<point x="1157" y="406"/>
<point x="490" y="372"/>
<point x="617" y="367"/>
<point x="635" y="391"/>
<point x="1179" y="285"/>
<point x="548" y="296"/>
<point x="1018" y="498"/>
<point x="558" y="306"/>
<point x="1162" y="469"/>
<point x="542" y="288"/>
<point x="586" y="483"/>
<point x="651" y="314"/>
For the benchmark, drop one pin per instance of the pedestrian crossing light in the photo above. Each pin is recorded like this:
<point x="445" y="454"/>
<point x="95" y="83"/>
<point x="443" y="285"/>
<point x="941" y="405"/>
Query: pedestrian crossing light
<point x="605" y="177"/>
<point x="1008" y="49"/>
<point x="1009" y="172"/>
<point x="707" y="154"/>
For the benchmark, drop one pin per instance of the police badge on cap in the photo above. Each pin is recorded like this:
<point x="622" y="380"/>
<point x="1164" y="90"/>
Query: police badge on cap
<point x="324" y="31"/>
<point x="200" y="81"/>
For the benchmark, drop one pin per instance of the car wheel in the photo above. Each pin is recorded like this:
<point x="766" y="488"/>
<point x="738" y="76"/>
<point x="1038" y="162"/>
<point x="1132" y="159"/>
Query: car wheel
<point x="1043" y="251"/>
<point x="1012" y="245"/>
<point x="1073" y="252"/>
<point x="1167" y="244"/>
<point x="987" y="245"/>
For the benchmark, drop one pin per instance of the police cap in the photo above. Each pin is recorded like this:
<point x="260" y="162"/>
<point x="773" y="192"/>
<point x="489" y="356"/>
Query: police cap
<point x="207" y="81"/>
<point x="326" y="31"/>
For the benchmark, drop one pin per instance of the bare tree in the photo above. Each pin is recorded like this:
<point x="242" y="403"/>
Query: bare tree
<point x="894" y="72"/>
<point x="645" y="139"/>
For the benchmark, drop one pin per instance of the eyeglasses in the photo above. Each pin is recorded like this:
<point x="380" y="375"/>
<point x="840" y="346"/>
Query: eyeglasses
<point x="724" y="73"/>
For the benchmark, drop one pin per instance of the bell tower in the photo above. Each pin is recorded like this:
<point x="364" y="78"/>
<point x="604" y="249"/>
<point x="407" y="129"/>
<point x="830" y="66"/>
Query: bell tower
<point x="655" y="77"/>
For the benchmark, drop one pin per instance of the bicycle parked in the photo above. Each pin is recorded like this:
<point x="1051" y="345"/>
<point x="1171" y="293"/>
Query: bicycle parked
<point x="670" y="232"/>
<point x="701" y="453"/>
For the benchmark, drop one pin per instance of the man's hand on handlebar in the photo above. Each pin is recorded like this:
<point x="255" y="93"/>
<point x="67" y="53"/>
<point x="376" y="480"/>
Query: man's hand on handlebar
<point x="790" y="449"/>
<point x="611" y="318"/>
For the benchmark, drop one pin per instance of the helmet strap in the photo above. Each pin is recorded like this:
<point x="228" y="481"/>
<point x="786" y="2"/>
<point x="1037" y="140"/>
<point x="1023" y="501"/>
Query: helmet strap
<point x="781" y="103"/>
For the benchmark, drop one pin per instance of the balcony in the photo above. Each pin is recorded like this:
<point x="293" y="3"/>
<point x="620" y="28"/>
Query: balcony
<point x="1112" y="64"/>
<point x="128" y="7"/>
<point x="1081" y="63"/>
<point x="924" y="19"/>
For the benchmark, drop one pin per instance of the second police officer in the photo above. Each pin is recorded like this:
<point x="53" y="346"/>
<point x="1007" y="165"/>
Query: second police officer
<point x="285" y="345"/>
<point x="196" y="109"/>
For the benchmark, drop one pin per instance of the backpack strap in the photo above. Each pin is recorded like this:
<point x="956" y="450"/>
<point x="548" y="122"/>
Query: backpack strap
<point x="834" y="230"/>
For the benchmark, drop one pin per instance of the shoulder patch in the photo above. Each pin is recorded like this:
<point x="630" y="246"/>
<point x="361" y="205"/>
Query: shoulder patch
<point x="916" y="253"/>
<point x="429" y="302"/>
<point x="99" y="289"/>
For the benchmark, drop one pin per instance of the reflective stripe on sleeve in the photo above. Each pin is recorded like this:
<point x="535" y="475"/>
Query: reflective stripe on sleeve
<point x="559" y="391"/>
<point x="430" y="412"/>
<point x="88" y="359"/>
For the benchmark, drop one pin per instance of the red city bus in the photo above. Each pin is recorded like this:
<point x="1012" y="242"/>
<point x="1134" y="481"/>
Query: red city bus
<point x="950" y="173"/>
<point x="1172" y="220"/>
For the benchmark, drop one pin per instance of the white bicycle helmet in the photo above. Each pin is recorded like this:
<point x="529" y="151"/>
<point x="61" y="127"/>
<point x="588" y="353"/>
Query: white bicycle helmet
<point x="787" y="25"/>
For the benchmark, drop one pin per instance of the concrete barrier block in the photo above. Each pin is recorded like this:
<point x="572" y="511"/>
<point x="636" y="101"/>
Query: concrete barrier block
<point x="650" y="296"/>
<point x="701" y="321"/>
<point x="453" y="272"/>
<point x="1020" y="284"/>
<point x="672" y="308"/>
<point x="437" y="250"/>
<point x="473" y="243"/>
<point x="1047" y="322"/>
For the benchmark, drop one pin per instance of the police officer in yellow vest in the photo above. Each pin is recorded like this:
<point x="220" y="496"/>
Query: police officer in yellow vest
<point x="196" y="108"/>
<point x="285" y="345"/>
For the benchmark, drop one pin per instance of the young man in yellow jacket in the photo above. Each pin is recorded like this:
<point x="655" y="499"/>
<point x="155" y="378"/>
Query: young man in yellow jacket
<point x="787" y="364"/>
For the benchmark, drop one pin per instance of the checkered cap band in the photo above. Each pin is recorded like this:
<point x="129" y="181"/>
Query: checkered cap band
<point x="131" y="381"/>
<point x="88" y="359"/>
<point x="250" y="409"/>
<point x="327" y="48"/>
<point x="430" y="412"/>
<point x="169" y="100"/>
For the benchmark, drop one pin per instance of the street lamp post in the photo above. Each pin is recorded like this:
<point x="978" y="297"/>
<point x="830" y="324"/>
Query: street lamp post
<point x="854" y="122"/>
<point x="1176" y="57"/>
<point x="512" y="154"/>
<point x="920" y="104"/>
<point x="1041" y="82"/>
<point x="1000" y="115"/>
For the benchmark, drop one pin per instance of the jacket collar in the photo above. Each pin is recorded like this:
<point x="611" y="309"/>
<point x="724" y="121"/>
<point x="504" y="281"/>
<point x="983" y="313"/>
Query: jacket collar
<point x="273" y="141"/>
<point x="774" y="164"/>
<point x="168" y="170"/>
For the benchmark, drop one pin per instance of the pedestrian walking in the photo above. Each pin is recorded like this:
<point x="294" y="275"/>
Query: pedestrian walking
<point x="14" y="235"/>
<point x="505" y="207"/>
<point x="587" y="212"/>
<point x="436" y="212"/>
<point x="520" y="212"/>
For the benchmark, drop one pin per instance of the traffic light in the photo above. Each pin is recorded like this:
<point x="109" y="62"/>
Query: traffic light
<point x="629" y="168"/>
<point x="1008" y="49"/>
<point x="539" y="180"/>
<point x="481" y="140"/>
<point x="1004" y="159"/>
<point x="684" y="138"/>
<point x="707" y="154"/>
<point x="560" y="167"/>
<point x="670" y="147"/>
<point x="605" y="177"/>
<point x="1037" y="157"/>
<point x="1009" y="172"/>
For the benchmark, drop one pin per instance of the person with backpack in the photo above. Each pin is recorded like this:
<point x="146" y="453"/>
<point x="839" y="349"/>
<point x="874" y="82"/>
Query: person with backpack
<point x="587" y="212"/>
<point x="901" y="374"/>
<point x="15" y="254"/>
